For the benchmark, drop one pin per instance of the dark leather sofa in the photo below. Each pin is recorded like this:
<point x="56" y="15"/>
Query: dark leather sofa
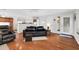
<point x="35" y="31"/>
<point x="6" y="35"/>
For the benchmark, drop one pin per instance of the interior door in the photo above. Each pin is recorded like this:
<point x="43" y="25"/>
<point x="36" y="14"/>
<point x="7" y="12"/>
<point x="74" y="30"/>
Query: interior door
<point x="66" y="24"/>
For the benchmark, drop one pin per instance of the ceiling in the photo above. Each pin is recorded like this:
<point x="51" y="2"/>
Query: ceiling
<point x="32" y="12"/>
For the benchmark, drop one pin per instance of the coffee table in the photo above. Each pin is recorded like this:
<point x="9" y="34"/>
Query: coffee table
<point x="28" y="37"/>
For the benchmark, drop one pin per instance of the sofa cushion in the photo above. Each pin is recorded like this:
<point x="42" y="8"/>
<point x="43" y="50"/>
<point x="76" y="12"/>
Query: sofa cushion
<point x="5" y="31"/>
<point x="31" y="28"/>
<point x="39" y="28"/>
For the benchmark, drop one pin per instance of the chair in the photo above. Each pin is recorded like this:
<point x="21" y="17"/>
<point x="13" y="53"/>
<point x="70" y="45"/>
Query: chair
<point x="6" y="35"/>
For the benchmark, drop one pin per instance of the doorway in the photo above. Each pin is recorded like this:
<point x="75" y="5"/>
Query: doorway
<point x="66" y="24"/>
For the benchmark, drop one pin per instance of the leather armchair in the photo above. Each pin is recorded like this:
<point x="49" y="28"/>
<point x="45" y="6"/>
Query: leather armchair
<point x="6" y="35"/>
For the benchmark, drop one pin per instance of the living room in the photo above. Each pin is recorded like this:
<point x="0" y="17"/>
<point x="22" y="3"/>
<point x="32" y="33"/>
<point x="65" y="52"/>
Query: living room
<point x="59" y="29"/>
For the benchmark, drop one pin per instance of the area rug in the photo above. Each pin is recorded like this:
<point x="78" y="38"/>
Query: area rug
<point x="4" y="47"/>
<point x="39" y="38"/>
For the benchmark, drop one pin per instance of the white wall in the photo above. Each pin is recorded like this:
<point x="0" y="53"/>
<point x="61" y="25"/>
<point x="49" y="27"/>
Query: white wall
<point x="76" y="28"/>
<point x="44" y="19"/>
<point x="53" y="24"/>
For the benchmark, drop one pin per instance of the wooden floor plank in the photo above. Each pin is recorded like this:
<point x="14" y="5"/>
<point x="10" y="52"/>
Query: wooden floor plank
<point x="54" y="42"/>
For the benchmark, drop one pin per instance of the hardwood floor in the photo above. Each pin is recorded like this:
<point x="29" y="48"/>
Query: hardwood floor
<point x="54" y="42"/>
